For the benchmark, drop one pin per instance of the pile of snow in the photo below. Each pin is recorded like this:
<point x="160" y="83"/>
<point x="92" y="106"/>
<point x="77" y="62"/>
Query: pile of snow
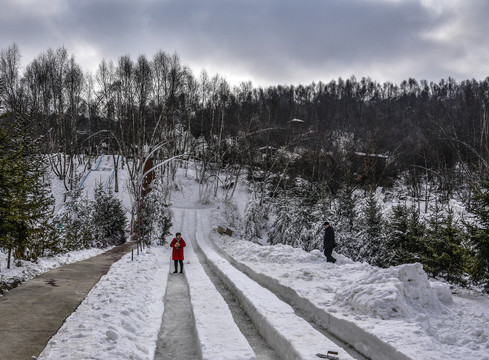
<point x="400" y="306"/>
<point x="399" y="292"/>
<point x="121" y="316"/>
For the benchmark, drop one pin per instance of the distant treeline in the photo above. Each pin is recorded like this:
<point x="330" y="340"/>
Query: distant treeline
<point x="414" y="125"/>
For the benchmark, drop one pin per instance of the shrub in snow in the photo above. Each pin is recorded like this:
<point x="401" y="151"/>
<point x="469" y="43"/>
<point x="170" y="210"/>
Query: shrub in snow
<point x="478" y="233"/>
<point x="443" y="254"/>
<point x="231" y="213"/>
<point x="372" y="231"/>
<point x="405" y="234"/>
<point x="254" y="219"/>
<point x="107" y="218"/>
<point x="155" y="215"/>
<point x="74" y="224"/>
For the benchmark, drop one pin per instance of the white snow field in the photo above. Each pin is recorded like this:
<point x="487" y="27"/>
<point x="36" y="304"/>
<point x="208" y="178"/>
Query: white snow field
<point x="395" y="313"/>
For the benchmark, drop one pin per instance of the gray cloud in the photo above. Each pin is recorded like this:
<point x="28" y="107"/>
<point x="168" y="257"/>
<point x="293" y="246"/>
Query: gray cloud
<point x="269" y="41"/>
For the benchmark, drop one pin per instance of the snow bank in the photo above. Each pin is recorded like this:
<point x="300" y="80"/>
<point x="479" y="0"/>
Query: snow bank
<point x="290" y="336"/>
<point x="399" y="292"/>
<point x="395" y="313"/>
<point x="121" y="316"/>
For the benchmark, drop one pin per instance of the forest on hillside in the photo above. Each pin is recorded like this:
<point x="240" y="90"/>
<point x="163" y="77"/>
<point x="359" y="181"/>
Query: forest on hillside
<point x="311" y="151"/>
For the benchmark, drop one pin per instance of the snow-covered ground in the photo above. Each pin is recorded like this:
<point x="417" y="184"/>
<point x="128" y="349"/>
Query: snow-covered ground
<point x="102" y="171"/>
<point x="395" y="313"/>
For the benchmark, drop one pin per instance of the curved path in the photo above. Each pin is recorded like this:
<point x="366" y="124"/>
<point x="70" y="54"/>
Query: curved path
<point x="33" y="312"/>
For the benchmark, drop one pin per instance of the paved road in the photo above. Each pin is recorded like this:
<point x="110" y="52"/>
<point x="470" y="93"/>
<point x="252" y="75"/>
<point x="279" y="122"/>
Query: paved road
<point x="33" y="312"/>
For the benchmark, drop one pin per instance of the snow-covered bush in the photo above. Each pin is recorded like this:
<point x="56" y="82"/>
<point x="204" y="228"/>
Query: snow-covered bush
<point x="107" y="218"/>
<point x="73" y="224"/>
<point x="155" y="215"/>
<point x="254" y="219"/>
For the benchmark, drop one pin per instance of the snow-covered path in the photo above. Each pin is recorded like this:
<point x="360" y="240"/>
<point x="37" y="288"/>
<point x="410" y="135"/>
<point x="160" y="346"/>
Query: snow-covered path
<point x="177" y="338"/>
<point x="260" y="347"/>
<point x="290" y="336"/>
<point x="395" y="313"/>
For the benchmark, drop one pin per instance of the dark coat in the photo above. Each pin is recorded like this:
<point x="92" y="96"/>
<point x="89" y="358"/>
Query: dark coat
<point x="178" y="250"/>
<point x="329" y="242"/>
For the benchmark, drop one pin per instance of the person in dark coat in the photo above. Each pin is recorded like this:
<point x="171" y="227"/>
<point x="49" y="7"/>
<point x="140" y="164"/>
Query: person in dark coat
<point x="329" y="243"/>
<point x="178" y="244"/>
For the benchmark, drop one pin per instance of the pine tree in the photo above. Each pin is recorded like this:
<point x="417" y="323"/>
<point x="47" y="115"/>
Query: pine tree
<point x="321" y="212"/>
<point x="346" y="208"/>
<point x="303" y="221"/>
<point x="74" y="224"/>
<point x="346" y="221"/>
<point x="478" y="233"/>
<point x="155" y="215"/>
<point x="6" y="193"/>
<point x="443" y="252"/>
<point x="278" y="233"/>
<point x="405" y="232"/>
<point x="254" y="219"/>
<point x="26" y="205"/>
<point x="372" y="230"/>
<point x="108" y="219"/>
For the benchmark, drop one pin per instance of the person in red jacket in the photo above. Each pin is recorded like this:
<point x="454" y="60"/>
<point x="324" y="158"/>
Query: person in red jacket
<point x="178" y="244"/>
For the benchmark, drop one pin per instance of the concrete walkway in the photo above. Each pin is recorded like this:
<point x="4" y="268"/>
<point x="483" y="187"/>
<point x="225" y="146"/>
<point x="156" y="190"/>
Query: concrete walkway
<point x="33" y="312"/>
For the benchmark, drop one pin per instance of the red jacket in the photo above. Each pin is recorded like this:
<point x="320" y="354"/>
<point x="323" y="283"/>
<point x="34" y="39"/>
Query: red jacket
<point x="178" y="251"/>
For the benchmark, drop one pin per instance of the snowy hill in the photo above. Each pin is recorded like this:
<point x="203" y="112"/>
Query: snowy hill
<point x="299" y="304"/>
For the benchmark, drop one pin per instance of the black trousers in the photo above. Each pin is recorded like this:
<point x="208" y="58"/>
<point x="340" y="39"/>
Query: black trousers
<point x="176" y="265"/>
<point x="328" y="253"/>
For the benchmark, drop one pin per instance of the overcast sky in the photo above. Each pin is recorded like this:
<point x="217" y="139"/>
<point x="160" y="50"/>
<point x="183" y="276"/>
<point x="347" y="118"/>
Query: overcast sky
<point x="266" y="41"/>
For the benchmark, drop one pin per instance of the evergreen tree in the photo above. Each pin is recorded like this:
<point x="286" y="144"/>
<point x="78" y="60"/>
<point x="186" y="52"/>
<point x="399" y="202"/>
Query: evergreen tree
<point x="443" y="253"/>
<point x="405" y="232"/>
<point x="254" y="219"/>
<point x="478" y="233"/>
<point x="321" y="212"/>
<point x="74" y="223"/>
<point x="278" y="233"/>
<point x="26" y="205"/>
<point x="302" y="220"/>
<point x="155" y="216"/>
<point x="346" y="220"/>
<point x="347" y="208"/>
<point x="107" y="218"/>
<point x="6" y="193"/>
<point x="372" y="231"/>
